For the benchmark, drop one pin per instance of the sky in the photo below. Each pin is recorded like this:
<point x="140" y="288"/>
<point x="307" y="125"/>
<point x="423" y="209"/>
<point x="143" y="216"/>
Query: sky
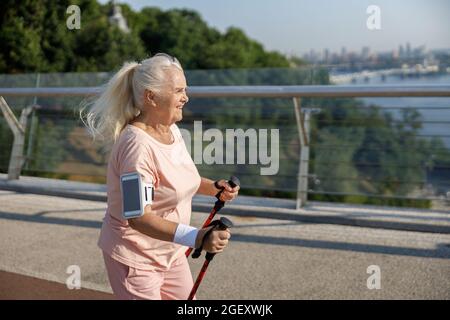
<point x="297" y="26"/>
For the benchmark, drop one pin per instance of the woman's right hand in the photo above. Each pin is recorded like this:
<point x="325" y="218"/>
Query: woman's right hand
<point x="217" y="239"/>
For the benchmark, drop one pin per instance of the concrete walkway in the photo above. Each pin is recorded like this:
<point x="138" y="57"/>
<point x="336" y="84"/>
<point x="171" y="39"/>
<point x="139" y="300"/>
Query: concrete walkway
<point x="409" y="219"/>
<point x="283" y="255"/>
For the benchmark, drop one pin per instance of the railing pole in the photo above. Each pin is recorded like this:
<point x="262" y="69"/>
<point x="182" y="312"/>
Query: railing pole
<point x="302" y="119"/>
<point x="34" y="123"/>
<point x="33" y="126"/>
<point x="18" y="128"/>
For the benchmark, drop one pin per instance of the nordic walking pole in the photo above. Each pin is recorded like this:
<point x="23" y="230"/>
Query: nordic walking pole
<point x="233" y="182"/>
<point x="221" y="224"/>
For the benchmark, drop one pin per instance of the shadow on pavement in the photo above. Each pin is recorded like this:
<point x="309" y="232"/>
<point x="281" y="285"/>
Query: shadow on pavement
<point x="443" y="251"/>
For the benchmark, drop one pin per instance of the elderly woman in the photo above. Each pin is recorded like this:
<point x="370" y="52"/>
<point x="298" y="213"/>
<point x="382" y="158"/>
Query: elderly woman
<point x="136" y="115"/>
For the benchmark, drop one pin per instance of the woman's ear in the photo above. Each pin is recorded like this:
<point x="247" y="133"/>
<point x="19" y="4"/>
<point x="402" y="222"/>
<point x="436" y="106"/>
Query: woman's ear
<point x="149" y="98"/>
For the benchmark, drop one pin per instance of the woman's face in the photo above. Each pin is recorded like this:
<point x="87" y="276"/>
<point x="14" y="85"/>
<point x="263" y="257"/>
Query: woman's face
<point x="171" y="100"/>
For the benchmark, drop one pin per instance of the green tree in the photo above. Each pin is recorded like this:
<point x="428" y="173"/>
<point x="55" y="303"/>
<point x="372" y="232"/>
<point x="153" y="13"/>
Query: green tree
<point x="20" y="35"/>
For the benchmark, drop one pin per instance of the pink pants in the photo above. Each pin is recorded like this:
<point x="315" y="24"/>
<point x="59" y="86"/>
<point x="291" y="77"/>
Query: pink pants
<point x="129" y="283"/>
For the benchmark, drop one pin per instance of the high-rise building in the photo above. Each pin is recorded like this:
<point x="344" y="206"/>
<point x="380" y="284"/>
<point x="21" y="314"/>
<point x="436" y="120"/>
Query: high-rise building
<point x="326" y="55"/>
<point x="365" y="52"/>
<point x="401" y="51"/>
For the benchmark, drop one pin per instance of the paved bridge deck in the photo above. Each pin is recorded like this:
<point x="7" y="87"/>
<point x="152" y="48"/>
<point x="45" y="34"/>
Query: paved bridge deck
<point x="275" y="255"/>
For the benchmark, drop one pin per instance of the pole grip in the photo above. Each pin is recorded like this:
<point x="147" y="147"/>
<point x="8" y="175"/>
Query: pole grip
<point x="233" y="182"/>
<point x="223" y="224"/>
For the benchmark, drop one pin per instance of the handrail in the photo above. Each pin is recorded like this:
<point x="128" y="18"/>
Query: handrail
<point x="433" y="90"/>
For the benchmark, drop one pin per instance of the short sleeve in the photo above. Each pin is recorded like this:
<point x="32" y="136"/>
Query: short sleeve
<point x="136" y="157"/>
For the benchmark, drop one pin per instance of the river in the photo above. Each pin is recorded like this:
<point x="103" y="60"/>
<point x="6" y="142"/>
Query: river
<point x="432" y="109"/>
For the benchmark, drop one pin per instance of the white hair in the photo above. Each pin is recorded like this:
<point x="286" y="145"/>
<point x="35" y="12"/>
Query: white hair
<point x="121" y="98"/>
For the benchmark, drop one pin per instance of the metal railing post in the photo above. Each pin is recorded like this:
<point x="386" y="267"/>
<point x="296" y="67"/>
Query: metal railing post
<point x="33" y="126"/>
<point x="18" y="128"/>
<point x="302" y="119"/>
<point x="31" y="134"/>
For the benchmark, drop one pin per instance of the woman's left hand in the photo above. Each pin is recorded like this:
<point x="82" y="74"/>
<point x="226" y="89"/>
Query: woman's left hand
<point x="228" y="193"/>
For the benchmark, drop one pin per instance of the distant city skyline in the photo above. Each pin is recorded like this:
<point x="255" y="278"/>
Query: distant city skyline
<point x="402" y="50"/>
<point x="294" y="27"/>
<point x="407" y="46"/>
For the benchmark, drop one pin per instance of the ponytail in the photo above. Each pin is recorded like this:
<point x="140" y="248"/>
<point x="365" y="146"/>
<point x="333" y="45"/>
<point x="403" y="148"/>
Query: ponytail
<point x="111" y="112"/>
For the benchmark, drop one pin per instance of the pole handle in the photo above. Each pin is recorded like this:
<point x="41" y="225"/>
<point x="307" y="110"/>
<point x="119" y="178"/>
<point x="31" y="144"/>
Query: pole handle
<point x="233" y="182"/>
<point x="221" y="224"/>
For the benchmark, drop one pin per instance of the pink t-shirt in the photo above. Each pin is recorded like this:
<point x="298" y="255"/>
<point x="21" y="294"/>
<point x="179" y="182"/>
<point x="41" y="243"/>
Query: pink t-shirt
<point x="173" y="173"/>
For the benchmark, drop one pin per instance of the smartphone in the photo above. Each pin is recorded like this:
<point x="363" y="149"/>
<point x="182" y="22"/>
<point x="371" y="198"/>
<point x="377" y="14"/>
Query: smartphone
<point x="135" y="195"/>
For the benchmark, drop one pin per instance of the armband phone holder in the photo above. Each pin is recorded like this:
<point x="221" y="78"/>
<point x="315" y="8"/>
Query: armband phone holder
<point x="135" y="195"/>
